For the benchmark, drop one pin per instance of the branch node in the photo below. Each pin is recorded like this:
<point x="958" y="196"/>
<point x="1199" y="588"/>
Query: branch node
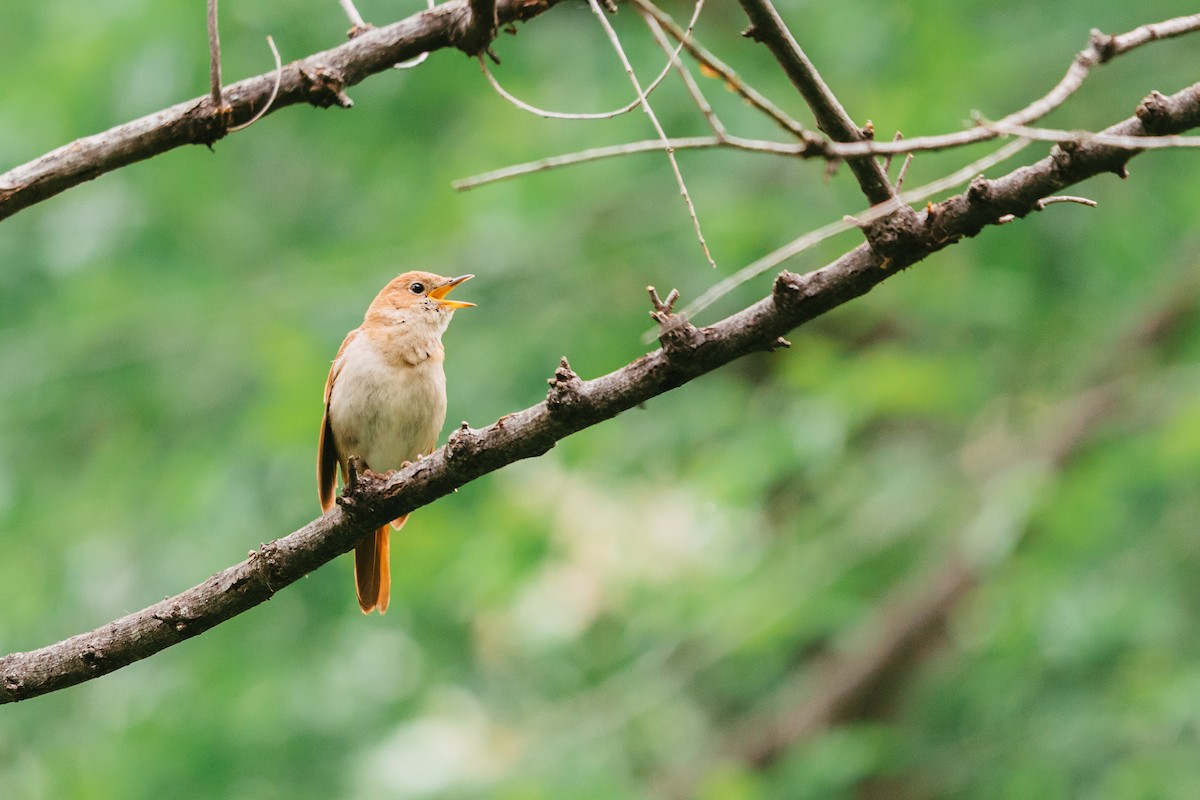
<point x="980" y="190"/>
<point x="324" y="86"/>
<point x="752" y="33"/>
<point x="177" y="618"/>
<point x="92" y="656"/>
<point x="895" y="238"/>
<point x="788" y="290"/>
<point x="778" y="343"/>
<point x="1104" y="45"/>
<point x="675" y="333"/>
<point x="13" y="683"/>
<point x="474" y="29"/>
<point x="211" y="123"/>
<point x="1063" y="156"/>
<point x="358" y="30"/>
<point x="566" y="388"/>
<point x="463" y="441"/>
<point x="1154" y="112"/>
<point x="662" y="306"/>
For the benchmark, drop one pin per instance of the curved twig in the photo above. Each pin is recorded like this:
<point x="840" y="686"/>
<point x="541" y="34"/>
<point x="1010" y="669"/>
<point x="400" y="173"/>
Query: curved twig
<point x="594" y="115"/>
<point x="274" y="91"/>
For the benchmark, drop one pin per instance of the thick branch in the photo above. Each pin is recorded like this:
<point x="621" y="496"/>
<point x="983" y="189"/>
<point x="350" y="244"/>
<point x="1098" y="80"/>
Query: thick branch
<point x="767" y="27"/>
<point x="573" y="405"/>
<point x="320" y="79"/>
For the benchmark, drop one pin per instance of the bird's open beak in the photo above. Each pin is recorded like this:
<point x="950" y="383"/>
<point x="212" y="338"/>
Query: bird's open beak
<point x="439" y="293"/>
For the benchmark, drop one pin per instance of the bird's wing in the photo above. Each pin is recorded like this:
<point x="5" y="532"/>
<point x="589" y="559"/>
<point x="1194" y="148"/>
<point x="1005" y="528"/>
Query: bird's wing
<point x="327" y="452"/>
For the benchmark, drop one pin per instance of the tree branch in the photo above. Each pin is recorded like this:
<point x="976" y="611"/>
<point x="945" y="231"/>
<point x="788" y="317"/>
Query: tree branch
<point x="319" y="80"/>
<point x="767" y="27"/>
<point x="573" y="404"/>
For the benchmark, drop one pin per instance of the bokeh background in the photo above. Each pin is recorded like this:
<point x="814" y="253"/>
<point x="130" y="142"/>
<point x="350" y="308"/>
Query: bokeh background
<point x="629" y="615"/>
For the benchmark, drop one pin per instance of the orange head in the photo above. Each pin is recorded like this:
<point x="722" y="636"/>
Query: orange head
<point x="419" y="295"/>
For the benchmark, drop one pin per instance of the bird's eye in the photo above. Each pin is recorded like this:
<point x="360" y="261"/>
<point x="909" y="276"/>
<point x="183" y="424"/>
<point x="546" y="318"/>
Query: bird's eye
<point x="417" y="288"/>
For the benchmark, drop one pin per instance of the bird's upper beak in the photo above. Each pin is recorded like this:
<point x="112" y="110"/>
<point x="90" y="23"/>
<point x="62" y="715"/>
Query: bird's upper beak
<point x="439" y="293"/>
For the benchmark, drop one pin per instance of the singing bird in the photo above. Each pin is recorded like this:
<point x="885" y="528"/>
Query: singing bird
<point x="385" y="403"/>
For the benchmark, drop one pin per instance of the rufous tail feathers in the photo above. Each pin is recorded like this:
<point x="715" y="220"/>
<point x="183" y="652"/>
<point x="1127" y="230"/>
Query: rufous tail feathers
<point x="372" y="574"/>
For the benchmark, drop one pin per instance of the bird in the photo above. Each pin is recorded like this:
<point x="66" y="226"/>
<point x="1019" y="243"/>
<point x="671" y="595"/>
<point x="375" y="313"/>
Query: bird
<point x="385" y="404"/>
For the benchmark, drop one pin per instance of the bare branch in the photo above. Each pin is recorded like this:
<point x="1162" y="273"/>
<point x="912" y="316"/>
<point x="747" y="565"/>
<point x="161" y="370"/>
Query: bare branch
<point x="814" y="237"/>
<point x="319" y="80"/>
<point x="214" y="57"/>
<point x="1101" y="50"/>
<point x="767" y="27"/>
<point x="572" y="405"/>
<point x="689" y="82"/>
<point x="357" y="23"/>
<point x="728" y="75"/>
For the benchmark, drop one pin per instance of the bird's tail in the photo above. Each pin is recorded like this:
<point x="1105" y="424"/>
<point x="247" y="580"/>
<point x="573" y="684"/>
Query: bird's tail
<point x="372" y="577"/>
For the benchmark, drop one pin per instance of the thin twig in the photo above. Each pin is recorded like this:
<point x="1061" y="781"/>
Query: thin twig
<point x="214" y="57"/>
<point x="689" y="82"/>
<point x="357" y="23"/>
<point x="908" y="159"/>
<point x="274" y="91"/>
<point x="662" y="134"/>
<point x="541" y="112"/>
<point x="583" y="156"/>
<point x="1040" y="205"/>
<point x="1108" y="140"/>
<point x="1103" y="49"/>
<point x="732" y="80"/>
<point x="887" y="161"/>
<point x="1065" y="198"/>
<point x="616" y="150"/>
<point x="799" y="245"/>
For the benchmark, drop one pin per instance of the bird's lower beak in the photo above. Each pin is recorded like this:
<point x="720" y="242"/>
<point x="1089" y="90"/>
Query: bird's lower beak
<point x="439" y="293"/>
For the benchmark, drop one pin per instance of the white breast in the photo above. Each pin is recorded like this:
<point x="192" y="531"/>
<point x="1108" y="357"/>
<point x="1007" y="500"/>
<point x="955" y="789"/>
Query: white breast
<point x="382" y="413"/>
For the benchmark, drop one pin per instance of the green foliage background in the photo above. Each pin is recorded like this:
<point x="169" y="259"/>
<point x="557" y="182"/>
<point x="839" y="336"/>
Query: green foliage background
<point x="607" y="621"/>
